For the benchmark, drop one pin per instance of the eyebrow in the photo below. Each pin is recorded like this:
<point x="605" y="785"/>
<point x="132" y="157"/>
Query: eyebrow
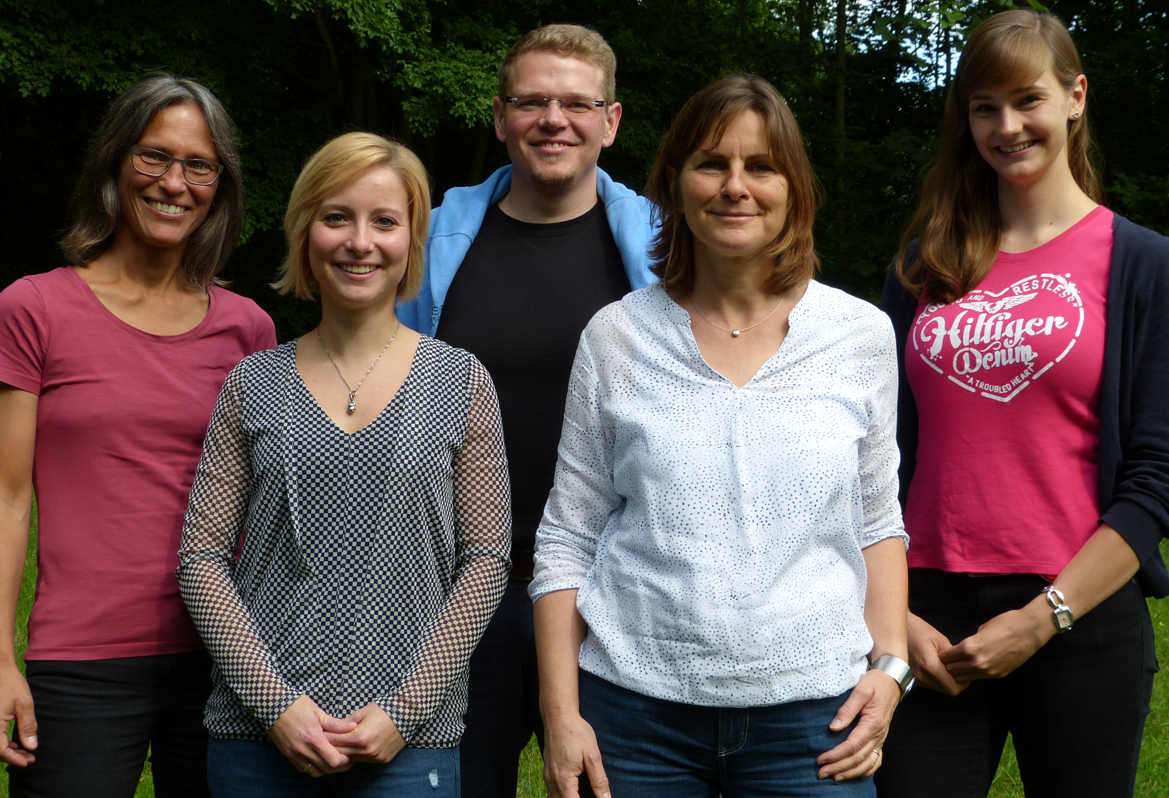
<point x="1023" y="90"/>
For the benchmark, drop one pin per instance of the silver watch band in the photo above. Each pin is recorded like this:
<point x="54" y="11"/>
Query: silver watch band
<point x="897" y="668"/>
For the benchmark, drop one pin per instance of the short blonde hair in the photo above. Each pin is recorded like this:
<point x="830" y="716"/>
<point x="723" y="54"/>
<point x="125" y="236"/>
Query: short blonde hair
<point x="574" y="41"/>
<point x="329" y="171"/>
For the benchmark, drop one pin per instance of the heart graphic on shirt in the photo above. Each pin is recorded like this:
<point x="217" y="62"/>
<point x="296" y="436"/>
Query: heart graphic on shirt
<point x="996" y="344"/>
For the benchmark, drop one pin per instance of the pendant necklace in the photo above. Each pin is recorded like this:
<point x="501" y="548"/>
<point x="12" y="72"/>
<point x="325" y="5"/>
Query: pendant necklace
<point x="352" y="406"/>
<point x="741" y="330"/>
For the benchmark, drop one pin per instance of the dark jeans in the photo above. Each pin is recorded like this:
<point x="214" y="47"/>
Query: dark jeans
<point x="96" y="719"/>
<point x="257" y="769"/>
<point x="1076" y="710"/>
<point x="652" y="748"/>
<point x="503" y="708"/>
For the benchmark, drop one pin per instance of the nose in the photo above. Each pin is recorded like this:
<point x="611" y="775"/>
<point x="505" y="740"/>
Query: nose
<point x="172" y="180"/>
<point x="735" y="184"/>
<point x="1010" y="121"/>
<point x="359" y="242"/>
<point x="553" y="115"/>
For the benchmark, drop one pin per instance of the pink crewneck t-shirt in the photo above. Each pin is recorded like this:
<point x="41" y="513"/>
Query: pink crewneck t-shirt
<point x="121" y="417"/>
<point x="1007" y="386"/>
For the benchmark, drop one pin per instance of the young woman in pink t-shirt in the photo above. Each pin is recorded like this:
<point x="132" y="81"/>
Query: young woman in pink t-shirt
<point x="109" y="370"/>
<point x="1035" y="439"/>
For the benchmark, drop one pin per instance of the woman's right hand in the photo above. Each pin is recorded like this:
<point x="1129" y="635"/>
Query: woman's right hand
<point x="571" y="751"/>
<point x="16" y="704"/>
<point x="925" y="645"/>
<point x="300" y="735"/>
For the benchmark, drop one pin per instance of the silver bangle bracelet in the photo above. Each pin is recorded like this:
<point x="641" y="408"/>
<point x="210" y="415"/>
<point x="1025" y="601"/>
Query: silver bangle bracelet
<point x="897" y="668"/>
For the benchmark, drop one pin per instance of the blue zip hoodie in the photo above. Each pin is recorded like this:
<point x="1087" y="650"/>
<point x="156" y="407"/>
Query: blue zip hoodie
<point x="455" y="223"/>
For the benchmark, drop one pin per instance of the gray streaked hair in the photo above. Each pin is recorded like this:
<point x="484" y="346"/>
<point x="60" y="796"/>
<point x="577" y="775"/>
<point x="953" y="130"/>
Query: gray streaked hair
<point x="96" y="208"/>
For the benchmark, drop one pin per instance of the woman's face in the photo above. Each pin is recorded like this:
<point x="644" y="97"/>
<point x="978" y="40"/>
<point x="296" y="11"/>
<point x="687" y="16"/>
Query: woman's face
<point x="359" y="240"/>
<point x="164" y="211"/>
<point x="1022" y="131"/>
<point x="733" y="194"/>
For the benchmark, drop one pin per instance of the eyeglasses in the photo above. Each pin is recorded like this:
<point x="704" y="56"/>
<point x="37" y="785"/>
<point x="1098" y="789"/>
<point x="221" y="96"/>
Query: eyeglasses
<point x="197" y="171"/>
<point x="534" y="104"/>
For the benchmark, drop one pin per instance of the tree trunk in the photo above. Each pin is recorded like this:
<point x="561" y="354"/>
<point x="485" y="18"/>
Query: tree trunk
<point x="479" y="155"/>
<point x="841" y="48"/>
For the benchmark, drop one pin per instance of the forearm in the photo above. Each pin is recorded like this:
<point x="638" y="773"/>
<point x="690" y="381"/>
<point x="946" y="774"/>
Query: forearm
<point x="887" y="598"/>
<point x="18" y="420"/>
<point x="560" y="631"/>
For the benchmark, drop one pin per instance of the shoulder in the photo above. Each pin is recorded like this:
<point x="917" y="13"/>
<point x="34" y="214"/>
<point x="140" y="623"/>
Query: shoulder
<point x="640" y="309"/>
<point x="241" y="310"/>
<point x="37" y="292"/>
<point x="463" y="207"/>
<point x="445" y="361"/>
<point x="268" y="365"/>
<point x="831" y="306"/>
<point x="1138" y="245"/>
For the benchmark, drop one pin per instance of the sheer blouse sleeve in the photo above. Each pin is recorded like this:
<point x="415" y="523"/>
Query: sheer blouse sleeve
<point x="211" y="533"/>
<point x="482" y="514"/>
<point x="878" y="455"/>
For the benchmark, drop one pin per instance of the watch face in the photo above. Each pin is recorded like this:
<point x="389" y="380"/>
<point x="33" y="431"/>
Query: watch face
<point x="1063" y="619"/>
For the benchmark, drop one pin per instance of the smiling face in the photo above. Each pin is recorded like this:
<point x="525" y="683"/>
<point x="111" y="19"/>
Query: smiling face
<point x="556" y="150"/>
<point x="734" y="196"/>
<point x="164" y="211"/>
<point x="1022" y="131"/>
<point x="359" y="240"/>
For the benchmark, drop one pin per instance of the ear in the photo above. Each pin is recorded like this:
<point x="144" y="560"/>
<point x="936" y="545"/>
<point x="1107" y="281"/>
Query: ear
<point x="500" y="124"/>
<point x="612" y="120"/>
<point x="1079" y="97"/>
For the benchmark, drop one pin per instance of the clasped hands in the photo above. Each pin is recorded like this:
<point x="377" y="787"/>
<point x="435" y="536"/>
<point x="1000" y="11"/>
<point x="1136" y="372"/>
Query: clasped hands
<point x="318" y="744"/>
<point x="999" y="646"/>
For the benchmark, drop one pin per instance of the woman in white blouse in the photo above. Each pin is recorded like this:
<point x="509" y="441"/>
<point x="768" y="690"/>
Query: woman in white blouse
<point x="722" y="554"/>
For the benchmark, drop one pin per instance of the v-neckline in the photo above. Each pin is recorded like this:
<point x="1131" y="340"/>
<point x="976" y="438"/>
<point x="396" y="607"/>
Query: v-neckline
<point x="382" y="412"/>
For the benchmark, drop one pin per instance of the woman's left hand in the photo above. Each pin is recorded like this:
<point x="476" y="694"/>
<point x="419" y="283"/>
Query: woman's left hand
<point x="1001" y="644"/>
<point x="873" y="700"/>
<point x="376" y="738"/>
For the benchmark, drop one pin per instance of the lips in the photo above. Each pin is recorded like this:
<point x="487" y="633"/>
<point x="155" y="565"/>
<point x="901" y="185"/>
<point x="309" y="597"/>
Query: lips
<point x="1013" y="148"/>
<point x="162" y="207"/>
<point x="356" y="268"/>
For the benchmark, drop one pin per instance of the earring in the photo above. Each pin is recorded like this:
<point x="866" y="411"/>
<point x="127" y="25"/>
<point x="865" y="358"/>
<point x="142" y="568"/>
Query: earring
<point x="1076" y="115"/>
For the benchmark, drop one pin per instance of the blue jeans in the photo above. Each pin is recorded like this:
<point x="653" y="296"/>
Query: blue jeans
<point x="257" y="769"/>
<point x="652" y="748"/>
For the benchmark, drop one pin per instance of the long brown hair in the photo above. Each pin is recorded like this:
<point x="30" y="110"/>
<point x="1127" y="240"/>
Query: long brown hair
<point x="958" y="219"/>
<point x="707" y="115"/>
<point x="97" y="207"/>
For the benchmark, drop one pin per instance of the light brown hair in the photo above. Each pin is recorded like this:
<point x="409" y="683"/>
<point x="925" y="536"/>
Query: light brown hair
<point x="958" y="218"/>
<point x="329" y="171"/>
<point x="574" y="41"/>
<point x="97" y="206"/>
<point x="702" y="122"/>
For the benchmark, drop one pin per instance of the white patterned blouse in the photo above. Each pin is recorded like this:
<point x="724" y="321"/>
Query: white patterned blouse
<point x="715" y="533"/>
<point x="371" y="562"/>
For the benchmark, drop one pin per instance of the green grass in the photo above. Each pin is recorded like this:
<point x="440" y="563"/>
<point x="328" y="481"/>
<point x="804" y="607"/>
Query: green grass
<point x="1152" y="778"/>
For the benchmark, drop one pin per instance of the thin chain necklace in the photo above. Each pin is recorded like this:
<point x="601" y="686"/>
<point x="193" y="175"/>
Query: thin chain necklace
<point x="352" y="407"/>
<point x="741" y="330"/>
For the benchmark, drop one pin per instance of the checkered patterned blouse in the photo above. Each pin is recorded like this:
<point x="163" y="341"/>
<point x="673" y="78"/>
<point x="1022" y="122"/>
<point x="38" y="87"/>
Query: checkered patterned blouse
<point x="372" y="562"/>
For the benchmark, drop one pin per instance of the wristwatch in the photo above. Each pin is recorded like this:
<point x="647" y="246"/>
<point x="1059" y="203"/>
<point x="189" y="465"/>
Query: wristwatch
<point x="1062" y="613"/>
<point x="897" y="668"/>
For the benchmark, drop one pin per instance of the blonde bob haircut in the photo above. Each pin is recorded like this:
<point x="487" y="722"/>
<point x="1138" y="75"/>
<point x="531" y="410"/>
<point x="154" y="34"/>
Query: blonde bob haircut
<point x="958" y="218"/>
<point x="328" y="172"/>
<point x="701" y="124"/>
<point x="573" y="41"/>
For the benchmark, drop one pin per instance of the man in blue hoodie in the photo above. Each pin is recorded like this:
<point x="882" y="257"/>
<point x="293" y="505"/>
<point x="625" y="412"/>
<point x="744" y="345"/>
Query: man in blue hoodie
<point x="515" y="268"/>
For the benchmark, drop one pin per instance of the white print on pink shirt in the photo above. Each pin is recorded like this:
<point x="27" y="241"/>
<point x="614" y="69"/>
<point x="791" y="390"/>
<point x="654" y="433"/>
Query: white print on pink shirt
<point x="996" y="344"/>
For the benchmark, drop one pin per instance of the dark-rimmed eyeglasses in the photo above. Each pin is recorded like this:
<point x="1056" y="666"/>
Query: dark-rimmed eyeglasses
<point x="537" y="104"/>
<point x="196" y="171"/>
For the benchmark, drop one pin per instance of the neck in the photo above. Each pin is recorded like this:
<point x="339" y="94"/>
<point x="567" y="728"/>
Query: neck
<point x="1036" y="212"/>
<point x="350" y="332"/>
<point x="535" y="203"/>
<point x="738" y="284"/>
<point x="131" y="260"/>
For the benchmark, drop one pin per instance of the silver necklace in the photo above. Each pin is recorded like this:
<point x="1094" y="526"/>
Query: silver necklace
<point x="741" y="330"/>
<point x="352" y="407"/>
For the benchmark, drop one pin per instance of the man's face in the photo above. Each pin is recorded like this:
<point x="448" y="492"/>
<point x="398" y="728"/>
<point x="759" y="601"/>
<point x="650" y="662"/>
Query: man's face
<point x="554" y="147"/>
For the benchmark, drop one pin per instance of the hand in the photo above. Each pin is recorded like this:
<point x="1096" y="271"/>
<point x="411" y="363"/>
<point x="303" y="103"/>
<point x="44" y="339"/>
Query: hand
<point x="1001" y="644"/>
<point x="301" y="735"/>
<point x="873" y="699"/>
<point x="372" y="736"/>
<point x="570" y="750"/>
<point x="16" y="704"/>
<point x="925" y="645"/>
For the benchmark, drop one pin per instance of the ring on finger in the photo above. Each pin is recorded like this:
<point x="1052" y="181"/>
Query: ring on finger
<point x="307" y="768"/>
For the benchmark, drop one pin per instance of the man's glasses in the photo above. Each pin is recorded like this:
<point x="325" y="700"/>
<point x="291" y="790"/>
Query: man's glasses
<point x="534" y="104"/>
<point x="197" y="171"/>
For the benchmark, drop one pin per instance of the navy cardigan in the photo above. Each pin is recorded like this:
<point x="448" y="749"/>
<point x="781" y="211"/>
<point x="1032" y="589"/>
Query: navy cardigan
<point x="1132" y="488"/>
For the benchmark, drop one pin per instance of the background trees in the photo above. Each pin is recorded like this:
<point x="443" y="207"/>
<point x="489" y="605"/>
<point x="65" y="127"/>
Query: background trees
<point x="865" y="79"/>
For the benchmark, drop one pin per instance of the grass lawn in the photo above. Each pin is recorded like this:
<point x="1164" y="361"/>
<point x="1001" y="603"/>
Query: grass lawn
<point x="1152" y="779"/>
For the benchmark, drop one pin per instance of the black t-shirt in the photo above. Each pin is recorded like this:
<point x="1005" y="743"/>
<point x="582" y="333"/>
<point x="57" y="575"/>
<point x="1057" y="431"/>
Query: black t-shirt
<point x="519" y="302"/>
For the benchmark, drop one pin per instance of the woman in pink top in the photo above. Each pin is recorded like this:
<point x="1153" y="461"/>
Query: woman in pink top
<point x="1034" y="435"/>
<point x="109" y="370"/>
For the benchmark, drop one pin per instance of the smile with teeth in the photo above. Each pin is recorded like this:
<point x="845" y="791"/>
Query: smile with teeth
<point x="162" y="207"/>
<point x="356" y="268"/>
<point x="1016" y="147"/>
